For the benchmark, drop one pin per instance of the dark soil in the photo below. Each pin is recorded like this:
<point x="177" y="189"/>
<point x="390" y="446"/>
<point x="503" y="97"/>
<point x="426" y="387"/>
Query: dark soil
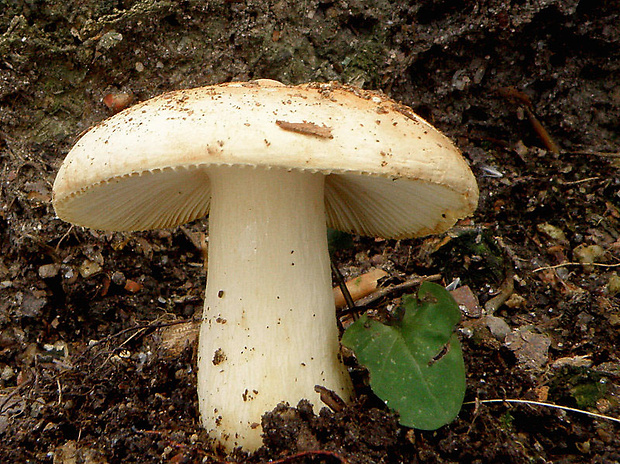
<point x="90" y="368"/>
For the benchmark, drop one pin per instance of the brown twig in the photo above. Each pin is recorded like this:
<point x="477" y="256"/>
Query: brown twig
<point x="292" y="457"/>
<point x="306" y="128"/>
<point x="580" y="181"/>
<point x="304" y="454"/>
<point x="524" y="101"/>
<point x="542" y="133"/>
<point x="343" y="288"/>
<point x="364" y="303"/>
<point x="603" y="154"/>
<point x="330" y="398"/>
<point x="505" y="290"/>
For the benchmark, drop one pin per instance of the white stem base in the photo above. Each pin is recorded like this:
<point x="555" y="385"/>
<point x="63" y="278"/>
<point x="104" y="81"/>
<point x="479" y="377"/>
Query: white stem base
<point x="269" y="329"/>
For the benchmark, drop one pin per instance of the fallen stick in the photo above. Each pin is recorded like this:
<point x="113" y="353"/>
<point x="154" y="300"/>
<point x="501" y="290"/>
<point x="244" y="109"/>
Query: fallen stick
<point x="372" y="298"/>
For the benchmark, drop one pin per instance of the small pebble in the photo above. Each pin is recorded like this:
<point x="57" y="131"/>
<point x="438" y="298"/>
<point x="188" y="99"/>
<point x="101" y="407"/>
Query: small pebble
<point x="588" y="254"/>
<point x="118" y="278"/>
<point x="89" y="268"/>
<point x="497" y="326"/>
<point x="132" y="286"/>
<point x="47" y="271"/>
<point x="118" y="101"/>
<point x="613" y="285"/>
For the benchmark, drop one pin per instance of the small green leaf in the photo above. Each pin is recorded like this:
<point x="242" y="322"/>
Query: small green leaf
<point x="416" y="365"/>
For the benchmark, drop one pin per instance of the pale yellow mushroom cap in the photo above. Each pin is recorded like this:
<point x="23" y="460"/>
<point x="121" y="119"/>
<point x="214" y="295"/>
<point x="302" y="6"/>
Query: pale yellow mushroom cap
<point x="389" y="172"/>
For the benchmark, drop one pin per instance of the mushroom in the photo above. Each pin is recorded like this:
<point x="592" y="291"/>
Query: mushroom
<point x="272" y="166"/>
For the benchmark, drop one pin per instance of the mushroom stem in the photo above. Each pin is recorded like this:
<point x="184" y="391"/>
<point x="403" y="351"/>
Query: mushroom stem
<point x="269" y="329"/>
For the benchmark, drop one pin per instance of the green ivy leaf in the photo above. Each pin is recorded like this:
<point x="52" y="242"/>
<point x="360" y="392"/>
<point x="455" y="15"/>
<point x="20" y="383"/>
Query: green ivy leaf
<point x="416" y="364"/>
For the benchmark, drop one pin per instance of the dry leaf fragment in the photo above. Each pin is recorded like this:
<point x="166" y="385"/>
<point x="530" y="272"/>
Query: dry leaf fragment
<point x="175" y="338"/>
<point x="307" y="128"/>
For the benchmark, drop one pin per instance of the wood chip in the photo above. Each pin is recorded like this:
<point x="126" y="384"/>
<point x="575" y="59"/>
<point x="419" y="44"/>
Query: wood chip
<point x="359" y="287"/>
<point x="307" y="128"/>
